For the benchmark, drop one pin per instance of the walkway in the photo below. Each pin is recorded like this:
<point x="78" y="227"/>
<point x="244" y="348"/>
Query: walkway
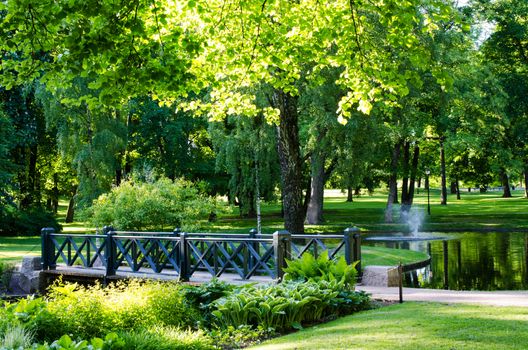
<point x="495" y="298"/>
<point x="79" y="274"/>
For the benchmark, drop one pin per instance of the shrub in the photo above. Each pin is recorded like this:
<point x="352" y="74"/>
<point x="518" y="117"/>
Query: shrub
<point x="202" y="297"/>
<point x="15" y="222"/>
<point x="159" y="205"/>
<point x="321" y="269"/>
<point x="16" y="337"/>
<point x="348" y="301"/>
<point x="281" y="306"/>
<point x="6" y="272"/>
<point x="239" y="337"/>
<point x="166" y="338"/>
<point x="94" y="311"/>
<point x="110" y="342"/>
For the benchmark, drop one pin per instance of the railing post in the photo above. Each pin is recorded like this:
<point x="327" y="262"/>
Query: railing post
<point x="255" y="245"/>
<point x="185" y="262"/>
<point x="282" y="251"/>
<point x="176" y="233"/>
<point x="357" y="252"/>
<point x="110" y="251"/>
<point x="352" y="240"/>
<point x="47" y="250"/>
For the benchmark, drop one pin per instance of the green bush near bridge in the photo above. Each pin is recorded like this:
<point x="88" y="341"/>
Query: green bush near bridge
<point x="157" y="315"/>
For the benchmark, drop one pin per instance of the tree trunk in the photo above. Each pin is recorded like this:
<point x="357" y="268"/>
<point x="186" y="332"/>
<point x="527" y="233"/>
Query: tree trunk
<point x="414" y="171"/>
<point x="71" y="209"/>
<point x="308" y="194"/>
<point x="405" y="179"/>
<point x="118" y="176"/>
<point x="505" y="184"/>
<point x="452" y="187"/>
<point x="314" y="212"/>
<point x="290" y="160"/>
<point x="526" y="182"/>
<point x="393" y="189"/>
<point x="457" y="189"/>
<point x="350" y="197"/>
<point x="55" y="193"/>
<point x="28" y="180"/>
<point x="443" y="195"/>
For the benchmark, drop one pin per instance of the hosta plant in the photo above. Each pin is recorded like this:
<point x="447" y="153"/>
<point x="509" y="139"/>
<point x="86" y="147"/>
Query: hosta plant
<point x="321" y="268"/>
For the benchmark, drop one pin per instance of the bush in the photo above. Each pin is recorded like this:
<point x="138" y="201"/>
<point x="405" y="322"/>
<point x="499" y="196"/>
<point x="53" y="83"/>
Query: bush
<point x="95" y="311"/>
<point x="6" y="272"/>
<point x="321" y="269"/>
<point x="202" y="297"/>
<point x="347" y="302"/>
<point x="110" y="342"/>
<point x="281" y="307"/>
<point x="166" y="338"/>
<point x="16" y="222"/>
<point x="16" y="337"/>
<point x="156" y="315"/>
<point x="239" y="337"/>
<point x="157" y="206"/>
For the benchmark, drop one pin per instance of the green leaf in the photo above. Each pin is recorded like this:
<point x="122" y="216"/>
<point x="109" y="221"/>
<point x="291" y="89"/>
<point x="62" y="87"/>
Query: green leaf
<point x="297" y="325"/>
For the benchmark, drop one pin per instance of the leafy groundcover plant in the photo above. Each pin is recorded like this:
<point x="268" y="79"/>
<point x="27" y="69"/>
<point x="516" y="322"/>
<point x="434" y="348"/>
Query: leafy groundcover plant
<point x="315" y="289"/>
<point x="156" y="315"/>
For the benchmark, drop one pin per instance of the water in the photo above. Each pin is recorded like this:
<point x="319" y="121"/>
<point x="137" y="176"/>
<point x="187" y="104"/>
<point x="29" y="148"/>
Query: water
<point x="474" y="260"/>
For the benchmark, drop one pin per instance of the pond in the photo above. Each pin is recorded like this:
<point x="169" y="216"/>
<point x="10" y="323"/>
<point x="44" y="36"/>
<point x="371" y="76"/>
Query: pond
<point x="466" y="261"/>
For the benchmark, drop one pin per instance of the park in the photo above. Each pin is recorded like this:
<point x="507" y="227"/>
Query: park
<point x="268" y="174"/>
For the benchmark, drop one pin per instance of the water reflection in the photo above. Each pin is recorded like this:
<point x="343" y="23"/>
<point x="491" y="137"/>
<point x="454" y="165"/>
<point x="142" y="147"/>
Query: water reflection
<point x="472" y="261"/>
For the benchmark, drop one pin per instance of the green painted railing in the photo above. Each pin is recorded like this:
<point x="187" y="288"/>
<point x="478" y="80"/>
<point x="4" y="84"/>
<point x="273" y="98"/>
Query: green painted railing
<point x="183" y="253"/>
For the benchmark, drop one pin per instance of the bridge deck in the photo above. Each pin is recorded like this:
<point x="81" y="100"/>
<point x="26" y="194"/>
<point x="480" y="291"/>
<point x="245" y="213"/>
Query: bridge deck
<point x="79" y="273"/>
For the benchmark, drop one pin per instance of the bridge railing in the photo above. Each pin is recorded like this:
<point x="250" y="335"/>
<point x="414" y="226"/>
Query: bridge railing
<point x="184" y="254"/>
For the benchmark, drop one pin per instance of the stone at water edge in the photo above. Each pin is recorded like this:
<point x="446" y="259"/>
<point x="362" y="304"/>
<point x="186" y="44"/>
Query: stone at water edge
<point x="381" y="276"/>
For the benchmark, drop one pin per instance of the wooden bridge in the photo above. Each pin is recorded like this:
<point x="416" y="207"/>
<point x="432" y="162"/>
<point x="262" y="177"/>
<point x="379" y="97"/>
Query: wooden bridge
<point x="188" y="257"/>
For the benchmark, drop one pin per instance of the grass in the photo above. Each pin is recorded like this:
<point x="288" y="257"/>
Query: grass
<point x="475" y="211"/>
<point x="12" y="249"/>
<point x="389" y="257"/>
<point x="415" y="326"/>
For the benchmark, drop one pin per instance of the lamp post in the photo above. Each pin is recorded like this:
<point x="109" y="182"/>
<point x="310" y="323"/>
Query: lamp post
<point x="427" y="172"/>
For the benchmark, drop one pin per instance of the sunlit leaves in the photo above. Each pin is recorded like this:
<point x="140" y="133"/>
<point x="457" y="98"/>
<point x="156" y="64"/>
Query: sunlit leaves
<point x="167" y="48"/>
<point x="123" y="48"/>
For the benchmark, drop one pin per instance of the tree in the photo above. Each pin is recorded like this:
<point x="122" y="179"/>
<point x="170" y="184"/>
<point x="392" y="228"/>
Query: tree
<point x="322" y="138"/>
<point x="91" y="139"/>
<point x="291" y="44"/>
<point x="169" y="141"/>
<point x="246" y="151"/>
<point x="7" y="169"/>
<point x="507" y="48"/>
<point x="130" y="48"/>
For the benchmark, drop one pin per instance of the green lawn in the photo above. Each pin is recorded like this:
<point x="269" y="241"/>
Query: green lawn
<point x="389" y="257"/>
<point x="416" y="326"/>
<point x="475" y="211"/>
<point x="12" y="249"/>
